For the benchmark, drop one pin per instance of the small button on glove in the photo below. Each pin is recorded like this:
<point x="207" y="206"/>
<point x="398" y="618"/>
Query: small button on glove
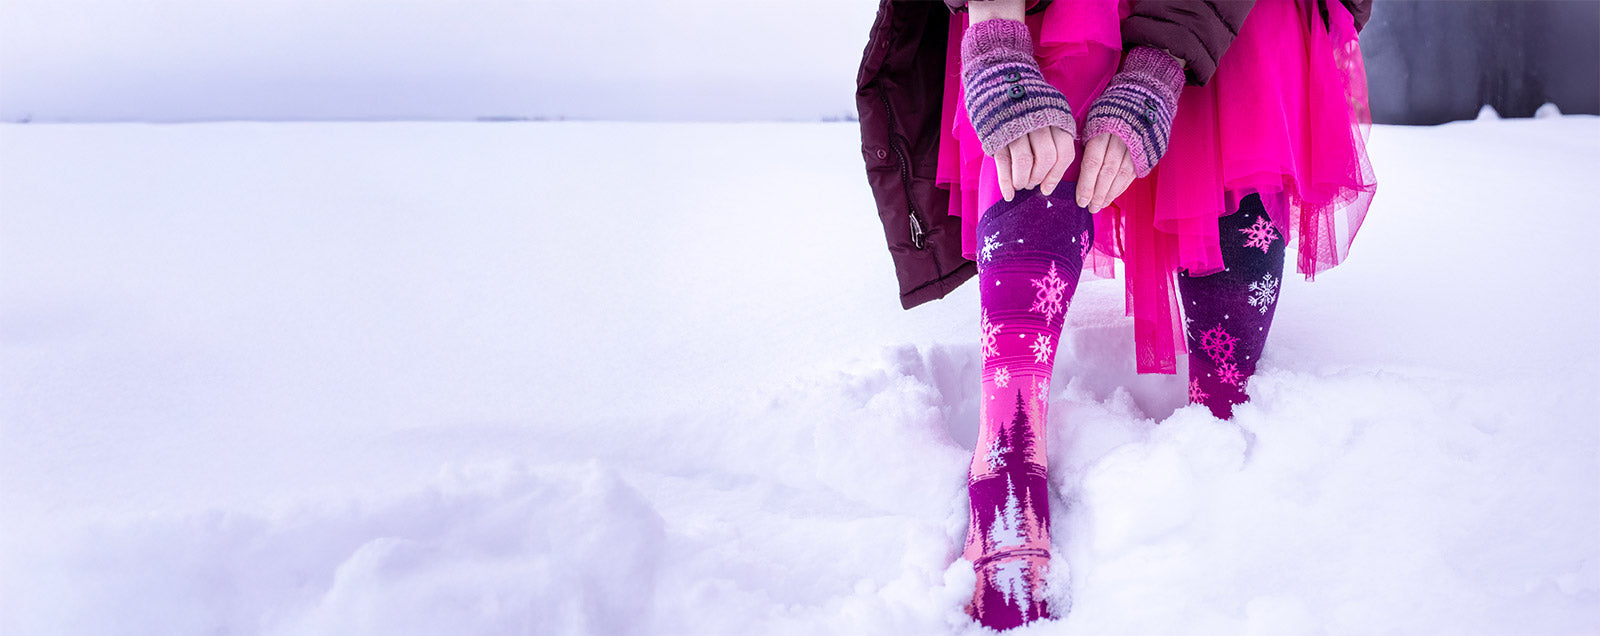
<point x="1138" y="106"/>
<point x="1006" y="94"/>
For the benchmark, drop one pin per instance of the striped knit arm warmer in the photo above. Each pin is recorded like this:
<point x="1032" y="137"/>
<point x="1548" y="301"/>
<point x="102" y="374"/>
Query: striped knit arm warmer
<point x="1138" y="106"/>
<point x="1007" y="96"/>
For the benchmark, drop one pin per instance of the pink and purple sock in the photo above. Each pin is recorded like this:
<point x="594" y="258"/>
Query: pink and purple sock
<point x="1032" y="253"/>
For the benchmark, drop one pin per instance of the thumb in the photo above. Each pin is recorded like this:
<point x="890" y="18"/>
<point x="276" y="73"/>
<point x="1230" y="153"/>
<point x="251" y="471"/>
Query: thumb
<point x="1094" y="156"/>
<point x="1002" y="166"/>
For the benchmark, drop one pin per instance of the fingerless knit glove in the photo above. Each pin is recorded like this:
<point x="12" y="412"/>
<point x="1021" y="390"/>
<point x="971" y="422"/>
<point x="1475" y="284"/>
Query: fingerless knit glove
<point x="1138" y="106"/>
<point x="1007" y="96"/>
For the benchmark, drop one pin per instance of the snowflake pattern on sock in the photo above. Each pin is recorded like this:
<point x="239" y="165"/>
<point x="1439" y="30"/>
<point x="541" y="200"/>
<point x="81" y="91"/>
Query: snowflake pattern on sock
<point x="997" y="454"/>
<point x="1261" y="235"/>
<point x="1264" y="292"/>
<point x="1002" y="377"/>
<point x="1228" y="372"/>
<point x="991" y="334"/>
<point x="1041" y="391"/>
<point x="1218" y="344"/>
<point x="1195" y="394"/>
<point x="1083" y="244"/>
<point x="1049" y="299"/>
<point x="1041" y="348"/>
<point x="990" y="244"/>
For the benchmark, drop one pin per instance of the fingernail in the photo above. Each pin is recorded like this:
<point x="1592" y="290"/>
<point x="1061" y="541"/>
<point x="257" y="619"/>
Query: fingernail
<point x="1083" y="202"/>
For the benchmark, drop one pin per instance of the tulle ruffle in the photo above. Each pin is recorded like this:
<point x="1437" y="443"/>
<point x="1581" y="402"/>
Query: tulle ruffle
<point x="1285" y="116"/>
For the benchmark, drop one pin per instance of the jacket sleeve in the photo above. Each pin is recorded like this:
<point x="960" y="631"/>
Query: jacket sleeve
<point x="1196" y="32"/>
<point x="1361" y="10"/>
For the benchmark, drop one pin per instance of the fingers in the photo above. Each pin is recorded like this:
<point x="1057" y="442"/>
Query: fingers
<point x="1002" y="168"/>
<point x="1064" y="154"/>
<point x="1039" y="158"/>
<point x="1116" y="153"/>
<point x="1125" y="177"/>
<point x="1021" y="163"/>
<point x="1094" y="156"/>
<point x="1044" y="155"/>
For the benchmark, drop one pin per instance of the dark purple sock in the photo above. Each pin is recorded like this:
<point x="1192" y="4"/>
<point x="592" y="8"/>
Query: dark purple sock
<point x="1229" y="313"/>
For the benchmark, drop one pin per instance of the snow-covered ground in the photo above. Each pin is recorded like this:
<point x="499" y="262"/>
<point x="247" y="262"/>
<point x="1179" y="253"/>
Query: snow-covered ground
<point x="610" y="378"/>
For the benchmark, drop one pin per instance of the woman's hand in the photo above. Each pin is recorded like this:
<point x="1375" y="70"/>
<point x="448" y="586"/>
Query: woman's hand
<point x="1021" y="120"/>
<point x="1129" y="125"/>
<point x="1037" y="159"/>
<point x="1105" y="174"/>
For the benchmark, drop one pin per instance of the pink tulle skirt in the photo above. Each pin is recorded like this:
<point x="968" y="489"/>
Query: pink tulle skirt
<point x="1284" y="117"/>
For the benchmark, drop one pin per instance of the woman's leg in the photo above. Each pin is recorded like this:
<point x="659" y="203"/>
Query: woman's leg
<point x="1229" y="313"/>
<point x="1033" y="250"/>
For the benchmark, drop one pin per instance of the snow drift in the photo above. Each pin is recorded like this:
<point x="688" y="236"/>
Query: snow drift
<point x="413" y="378"/>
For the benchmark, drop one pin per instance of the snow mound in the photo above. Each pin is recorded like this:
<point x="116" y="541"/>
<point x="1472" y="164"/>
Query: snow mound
<point x="437" y="378"/>
<point x="551" y="550"/>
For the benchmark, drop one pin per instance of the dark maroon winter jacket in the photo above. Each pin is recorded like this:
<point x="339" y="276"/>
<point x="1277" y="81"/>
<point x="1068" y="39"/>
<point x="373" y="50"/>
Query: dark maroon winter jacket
<point x="899" y="92"/>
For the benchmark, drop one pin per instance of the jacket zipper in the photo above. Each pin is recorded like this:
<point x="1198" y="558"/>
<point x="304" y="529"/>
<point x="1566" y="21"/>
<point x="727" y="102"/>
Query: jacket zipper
<point x="919" y="236"/>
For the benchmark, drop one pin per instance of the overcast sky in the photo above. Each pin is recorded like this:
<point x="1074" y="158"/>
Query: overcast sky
<point x="176" y="60"/>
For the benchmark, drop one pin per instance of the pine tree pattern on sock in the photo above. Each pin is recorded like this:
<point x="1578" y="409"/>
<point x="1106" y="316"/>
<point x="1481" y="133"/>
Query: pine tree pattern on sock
<point x="1027" y="273"/>
<point x="1229" y="313"/>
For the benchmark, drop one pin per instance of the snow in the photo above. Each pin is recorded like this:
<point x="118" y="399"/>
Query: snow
<point x="612" y="378"/>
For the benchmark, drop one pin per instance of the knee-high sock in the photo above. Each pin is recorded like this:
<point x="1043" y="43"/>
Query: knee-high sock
<point x="1229" y="313"/>
<point x="1033" y="250"/>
